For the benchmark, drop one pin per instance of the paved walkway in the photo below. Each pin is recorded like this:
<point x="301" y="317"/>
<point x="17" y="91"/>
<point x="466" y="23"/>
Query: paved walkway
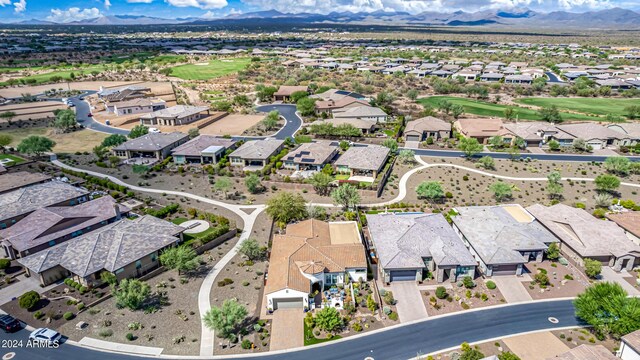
<point x="120" y="347"/>
<point x="608" y="274"/>
<point x="22" y="286"/>
<point x="536" y="346"/>
<point x="512" y="288"/>
<point x="409" y="303"/>
<point x="287" y="329"/>
<point x="536" y="150"/>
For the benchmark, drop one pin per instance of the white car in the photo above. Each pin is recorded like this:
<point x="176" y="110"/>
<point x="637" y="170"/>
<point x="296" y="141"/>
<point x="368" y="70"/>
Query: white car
<point x="154" y="130"/>
<point x="45" y="335"/>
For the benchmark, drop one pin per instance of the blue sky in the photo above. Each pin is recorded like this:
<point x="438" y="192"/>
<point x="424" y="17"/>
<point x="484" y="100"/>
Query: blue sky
<point x="70" y="10"/>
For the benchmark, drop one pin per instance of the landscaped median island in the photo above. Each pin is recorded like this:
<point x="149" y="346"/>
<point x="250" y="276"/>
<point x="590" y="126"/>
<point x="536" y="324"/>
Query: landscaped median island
<point x="464" y="295"/>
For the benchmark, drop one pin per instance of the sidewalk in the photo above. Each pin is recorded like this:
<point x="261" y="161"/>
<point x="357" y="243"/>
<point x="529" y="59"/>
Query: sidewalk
<point x="22" y="286"/>
<point x="119" y="347"/>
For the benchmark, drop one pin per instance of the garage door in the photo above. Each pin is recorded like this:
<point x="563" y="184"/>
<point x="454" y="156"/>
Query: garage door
<point x="403" y="275"/>
<point x="413" y="137"/>
<point x="596" y="145"/>
<point x="289" y="303"/>
<point x="505" y="269"/>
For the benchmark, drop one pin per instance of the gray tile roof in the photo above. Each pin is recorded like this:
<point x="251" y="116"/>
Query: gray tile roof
<point x="52" y="223"/>
<point x="402" y="240"/>
<point x="30" y="198"/>
<point x="18" y="179"/>
<point x="585" y="234"/>
<point x="110" y="247"/>
<point x="371" y="157"/>
<point x="314" y="153"/>
<point x="195" y="146"/>
<point x="151" y="142"/>
<point x="497" y="236"/>
<point x="258" y="149"/>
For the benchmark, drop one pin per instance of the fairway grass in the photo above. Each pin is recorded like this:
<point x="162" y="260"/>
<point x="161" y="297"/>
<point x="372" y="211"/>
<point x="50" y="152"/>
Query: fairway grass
<point x="598" y="106"/>
<point x="64" y="74"/>
<point x="483" y="108"/>
<point x="213" y="69"/>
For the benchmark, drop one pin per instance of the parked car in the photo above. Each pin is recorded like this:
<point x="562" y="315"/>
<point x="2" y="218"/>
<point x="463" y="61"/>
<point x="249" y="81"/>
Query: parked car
<point x="9" y="323"/>
<point x="154" y="130"/>
<point x="45" y="335"/>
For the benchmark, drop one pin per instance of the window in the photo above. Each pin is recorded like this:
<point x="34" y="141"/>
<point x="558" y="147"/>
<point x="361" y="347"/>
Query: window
<point x="361" y="271"/>
<point x="154" y="257"/>
<point x="119" y="271"/>
<point x="331" y="278"/>
<point x="138" y="264"/>
<point x="52" y="243"/>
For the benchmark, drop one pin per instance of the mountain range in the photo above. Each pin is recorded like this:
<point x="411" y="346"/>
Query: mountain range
<point x="609" y="18"/>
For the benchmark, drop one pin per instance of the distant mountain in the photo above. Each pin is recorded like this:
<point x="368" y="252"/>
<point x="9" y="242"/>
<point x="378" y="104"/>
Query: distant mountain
<point x="520" y="18"/>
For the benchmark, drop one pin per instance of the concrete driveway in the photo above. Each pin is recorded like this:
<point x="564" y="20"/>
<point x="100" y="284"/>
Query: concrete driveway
<point x="608" y="274"/>
<point x="512" y="288"/>
<point x="528" y="346"/>
<point x="409" y="303"/>
<point x="287" y="329"/>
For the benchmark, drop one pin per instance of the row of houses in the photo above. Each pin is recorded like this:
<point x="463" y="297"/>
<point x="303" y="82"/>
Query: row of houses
<point x="618" y="78"/>
<point x="488" y="240"/>
<point x="58" y="230"/>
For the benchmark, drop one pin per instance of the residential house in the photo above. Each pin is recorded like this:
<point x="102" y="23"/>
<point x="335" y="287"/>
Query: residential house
<point x="336" y="95"/>
<point x="312" y="256"/>
<point x="630" y="130"/>
<point x="518" y="79"/>
<point x="534" y="133"/>
<point x="330" y="105"/>
<point x="587" y="352"/>
<point x="502" y="238"/>
<point x="364" y="112"/>
<point x="363" y="162"/>
<point x="124" y="93"/>
<point x="17" y="204"/>
<point x="175" y="115"/>
<point x="49" y="226"/>
<point x="284" y="92"/>
<point x="311" y="156"/>
<point x="483" y="129"/>
<point x="254" y="155"/>
<point x="423" y="128"/>
<point x="597" y="136"/>
<point x="629" y="221"/>
<point x="203" y="149"/>
<point x="155" y="146"/>
<point x="366" y="126"/>
<point x="19" y="179"/>
<point x="491" y="76"/>
<point x="583" y="236"/>
<point x="125" y="248"/>
<point x="629" y="346"/>
<point x="135" y="106"/>
<point x="410" y="246"/>
<point x="615" y="84"/>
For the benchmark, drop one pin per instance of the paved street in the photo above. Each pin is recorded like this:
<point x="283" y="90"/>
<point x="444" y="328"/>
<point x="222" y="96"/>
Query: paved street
<point x="397" y="343"/>
<point x="410" y="306"/>
<point x="512" y="288"/>
<point x="287" y="329"/>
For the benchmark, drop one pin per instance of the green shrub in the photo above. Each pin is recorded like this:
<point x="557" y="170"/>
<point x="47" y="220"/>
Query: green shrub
<point x="467" y="281"/>
<point x="80" y="306"/>
<point x="393" y="316"/>
<point x="441" y="292"/>
<point x="38" y="315"/>
<point x="484" y="297"/>
<point x="356" y="327"/>
<point x="83" y="289"/>
<point x="4" y="263"/>
<point x="491" y="285"/>
<point x="130" y="336"/>
<point x="464" y="305"/>
<point x="105" y="333"/>
<point x="68" y="315"/>
<point x="246" y="344"/>
<point x="28" y="300"/>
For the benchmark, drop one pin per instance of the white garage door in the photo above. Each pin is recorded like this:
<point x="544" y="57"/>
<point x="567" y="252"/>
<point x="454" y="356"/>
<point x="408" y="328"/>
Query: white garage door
<point x="596" y="145"/>
<point x="287" y="303"/>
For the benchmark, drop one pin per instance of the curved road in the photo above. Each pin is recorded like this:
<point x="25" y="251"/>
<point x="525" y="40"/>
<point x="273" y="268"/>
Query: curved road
<point x="394" y="343"/>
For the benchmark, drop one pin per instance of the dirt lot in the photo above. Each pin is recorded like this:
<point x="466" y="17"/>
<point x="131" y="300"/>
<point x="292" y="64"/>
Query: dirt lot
<point x="12" y="92"/>
<point x="575" y="337"/>
<point x="460" y="295"/>
<point x="564" y="281"/>
<point x="233" y="124"/>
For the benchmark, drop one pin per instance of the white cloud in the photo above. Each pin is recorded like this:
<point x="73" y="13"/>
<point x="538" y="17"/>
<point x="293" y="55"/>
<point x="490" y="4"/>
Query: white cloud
<point x="20" y="6"/>
<point x="4" y="3"/>
<point x="216" y="15"/>
<point x="73" y="14"/>
<point x="202" y="4"/>
<point x="107" y="4"/>
<point x="139" y="1"/>
<point x="417" y="6"/>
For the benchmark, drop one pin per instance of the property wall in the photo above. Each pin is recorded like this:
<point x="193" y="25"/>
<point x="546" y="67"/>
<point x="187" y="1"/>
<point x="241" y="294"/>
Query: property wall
<point x="217" y="241"/>
<point x="356" y="276"/>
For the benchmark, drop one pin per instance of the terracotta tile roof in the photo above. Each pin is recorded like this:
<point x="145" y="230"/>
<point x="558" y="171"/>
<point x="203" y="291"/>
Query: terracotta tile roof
<point x="428" y="123"/>
<point x="480" y="127"/>
<point x="586" y="352"/>
<point x="308" y="247"/>
<point x="629" y="221"/>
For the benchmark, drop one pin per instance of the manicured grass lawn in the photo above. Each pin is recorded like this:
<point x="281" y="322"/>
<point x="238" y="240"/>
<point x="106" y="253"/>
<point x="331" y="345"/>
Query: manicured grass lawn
<point x="214" y="68"/>
<point x="178" y="221"/>
<point x="599" y="106"/>
<point x="16" y="160"/>
<point x="342" y="177"/>
<point x="483" y="108"/>
<point x="312" y="339"/>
